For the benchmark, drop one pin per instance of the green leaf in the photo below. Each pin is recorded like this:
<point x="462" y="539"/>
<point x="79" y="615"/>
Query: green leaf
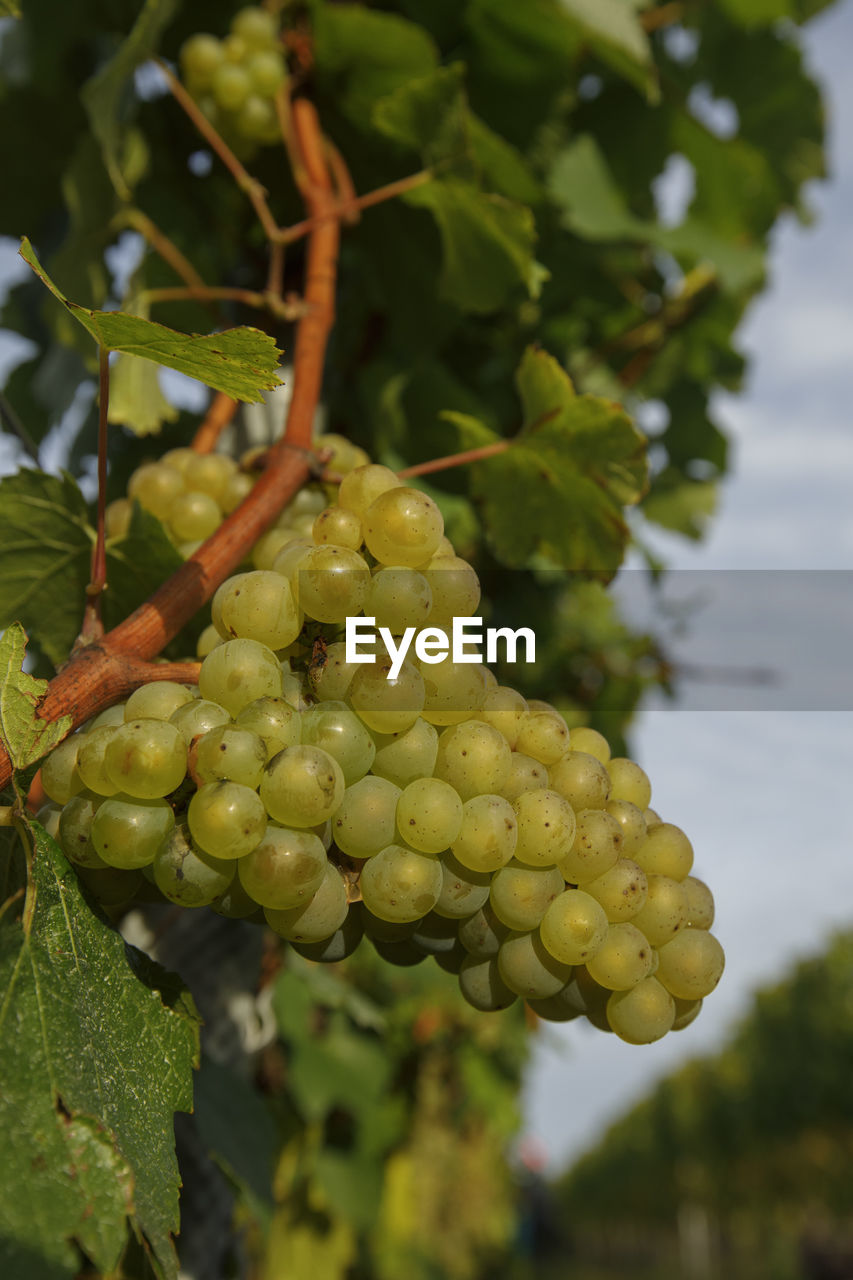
<point x="615" y="33"/>
<point x="241" y="362"/>
<point x="136" y="398"/>
<point x="560" y="487"/>
<point x="25" y="737"/>
<point x="108" y="97"/>
<point x="47" y="546"/>
<point x="237" y="1127"/>
<point x="429" y="115"/>
<point x="95" y="1064"/>
<point x="487" y="244"/>
<point x="10" y="8"/>
<point x="685" y="506"/>
<point x="363" y="55"/>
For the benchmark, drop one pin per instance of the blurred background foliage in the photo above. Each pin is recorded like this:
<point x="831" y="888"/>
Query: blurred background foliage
<point x="606" y="179"/>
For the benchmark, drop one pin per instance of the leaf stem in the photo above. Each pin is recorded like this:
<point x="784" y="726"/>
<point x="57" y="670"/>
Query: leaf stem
<point x="283" y="309"/>
<point x="344" y="209"/>
<point x="160" y="243"/>
<point x="456" y="459"/>
<point x="93" y="627"/>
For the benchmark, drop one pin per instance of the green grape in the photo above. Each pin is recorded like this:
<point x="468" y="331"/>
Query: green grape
<point x="90" y="760"/>
<point x="208" y="640"/>
<point x="386" y="704"/>
<point x="311" y="500"/>
<point x="642" y="1014"/>
<point x="331" y="678"/>
<point x="591" y="741"/>
<point x="238" y="672"/>
<point x="451" y="961"/>
<point x="463" y="892"/>
<point x="340" y="455"/>
<point x="127" y="831"/>
<point x="289" y="559"/>
<point x="117" y="517"/>
<point x="565" y="1006"/>
<point x="573" y="926"/>
<point x="74" y="830"/>
<point x="629" y="782"/>
<point x="429" y="815"/>
<point x="665" y="910"/>
<point x="633" y="825"/>
<point x="302" y="786"/>
<point x="258" y="605"/>
<point x="198" y="717"/>
<point x="239" y="486"/>
<point x="453" y="691"/>
<point x="454" y="588"/>
<point x="488" y="835"/>
<point x="386" y="930"/>
<point x="180" y="458"/>
<point x="339" y="946"/>
<point x="582" y="780"/>
<point x="59" y="775"/>
<point x="363" y="485"/>
<point x="529" y="969"/>
<point x="338" y="730"/>
<point x="700" y="900"/>
<point x="268" y="546"/>
<point x="235" y="49"/>
<point x="235" y="903"/>
<point x="186" y="875"/>
<point x="113" y="717"/>
<point x="113" y="887"/>
<point x="332" y="582"/>
<point x="546" y="828"/>
<point x="521" y="895"/>
<point x="525" y="774"/>
<point x="155" y="487"/>
<point x="400" y="884"/>
<point x="403" y="526"/>
<point x="483" y="987"/>
<point x="593" y="997"/>
<point x="209" y="472"/>
<point x="194" y="516"/>
<point x="474" y="758"/>
<point x="49" y="815"/>
<point x="226" y="819"/>
<point x="686" y="1011"/>
<point x="146" y="758"/>
<point x="319" y="918"/>
<point x="266" y="72"/>
<point x="230" y="752"/>
<point x="285" y="870"/>
<point x="434" y="934"/>
<point x="652" y="819"/>
<point x="403" y="757"/>
<point x="274" y="720"/>
<point x="338" y="526"/>
<point x="624" y="958"/>
<point x="256" y="26"/>
<point x="596" y="847"/>
<point x="691" y="964"/>
<point x="482" y="933"/>
<point x="543" y="735"/>
<point x="398" y="598"/>
<point x="200" y="56"/>
<point x="622" y="891"/>
<point x="504" y="710"/>
<point x="158" y="700"/>
<point x="365" y="822"/>
<point x="666" y="852"/>
<point x="400" y="954"/>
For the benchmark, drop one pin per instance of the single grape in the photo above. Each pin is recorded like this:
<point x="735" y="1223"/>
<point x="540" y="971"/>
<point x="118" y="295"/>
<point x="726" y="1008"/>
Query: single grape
<point x="226" y="819"/>
<point x="266" y="72"/>
<point x="331" y="582"/>
<point x="403" y="526"/>
<point x="642" y="1014"/>
<point x="474" y="758"/>
<point x="338" y="730"/>
<point x="363" y="485"/>
<point x="434" y="934"/>
<point x="666" y="852"/>
<point x="573" y="927"/>
<point x="686" y="1011"/>
<point x="591" y="741"/>
<point x="238" y="672"/>
<point x="398" y="598"/>
<point x="402" y="757"/>
<point x="285" y="870"/>
<point x="482" y="933"/>
<point x="194" y="516"/>
<point x="274" y="720"/>
<point x="454" y="588"/>
<point x="209" y="472"/>
<point x="90" y="760"/>
<point x="596" y="847"/>
<point x="624" y="958"/>
<point x="112" y="887"/>
<point x="256" y="26"/>
<point x="74" y="830"/>
<point x="365" y="822"/>
<point x="633" y="825"/>
<point x="529" y="969"/>
<point x="186" y="875"/>
<point x="200" y="56"/>
<point x="429" y="815"/>
<point x="341" y="527"/>
<point x="665" y="910"/>
<point x="400" y="884"/>
<point x="158" y="700"/>
<point x="155" y="487"/>
<point x="543" y="735"/>
<point x="59" y="775"/>
<point x="257" y="606"/>
<point x="629" y="782"/>
<point x="453" y="691"/>
<point x="319" y="918"/>
<point x="117" y="517"/>
<point x="622" y="891"/>
<point x="525" y="774"/>
<point x="700" y="900"/>
<point x="235" y="903"/>
<point x="504" y="710"/>
<point x="302" y="786"/>
<point x="232" y="753"/>
<point x="386" y="704"/>
<point x="521" y="895"/>
<point x="488" y="835"/>
<point x="146" y="758"/>
<point x="198" y="717"/>
<point x="546" y="828"/>
<point x="127" y="831"/>
<point x="483" y="987"/>
<point x="691" y="964"/>
<point x="331" y="677"/>
<point x="339" y="946"/>
<point x="582" y="780"/>
<point x="463" y="892"/>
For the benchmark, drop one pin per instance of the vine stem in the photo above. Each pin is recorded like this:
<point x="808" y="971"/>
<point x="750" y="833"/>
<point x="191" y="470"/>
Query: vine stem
<point x="221" y="411"/>
<point x="93" y="627"/>
<point x="455" y="459"/>
<point x="102" y="672"/>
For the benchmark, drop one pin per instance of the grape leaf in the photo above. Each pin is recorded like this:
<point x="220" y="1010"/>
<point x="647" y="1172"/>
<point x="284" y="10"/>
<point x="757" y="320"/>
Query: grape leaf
<point x="241" y="362"/>
<point x="362" y="55"/>
<point x="429" y="115"/>
<point x="47" y="545"/>
<point x="136" y="398"/>
<point x="98" y="1047"/>
<point x="25" y="737"/>
<point x="561" y="485"/>
<point x="137" y="564"/>
<point x="676" y="502"/>
<point x="617" y="36"/>
<point x="107" y="94"/>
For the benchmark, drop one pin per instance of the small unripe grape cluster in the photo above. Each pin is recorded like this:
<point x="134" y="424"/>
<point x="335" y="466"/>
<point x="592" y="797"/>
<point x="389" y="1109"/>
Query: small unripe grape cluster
<point x="413" y="800"/>
<point x="235" y="80"/>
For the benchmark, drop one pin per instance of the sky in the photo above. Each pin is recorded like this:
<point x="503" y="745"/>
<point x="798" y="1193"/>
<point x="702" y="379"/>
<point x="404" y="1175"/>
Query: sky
<point x="759" y="777"/>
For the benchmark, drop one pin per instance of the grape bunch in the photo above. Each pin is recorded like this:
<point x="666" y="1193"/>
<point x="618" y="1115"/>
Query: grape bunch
<point x="411" y="800"/>
<point x="235" y="80"/>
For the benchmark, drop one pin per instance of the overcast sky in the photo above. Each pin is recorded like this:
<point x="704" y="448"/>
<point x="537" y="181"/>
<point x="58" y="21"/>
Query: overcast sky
<point x="764" y="794"/>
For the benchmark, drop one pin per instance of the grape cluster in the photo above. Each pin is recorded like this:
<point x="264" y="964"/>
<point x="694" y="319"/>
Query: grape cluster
<point x="235" y="80"/>
<point x="432" y="809"/>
